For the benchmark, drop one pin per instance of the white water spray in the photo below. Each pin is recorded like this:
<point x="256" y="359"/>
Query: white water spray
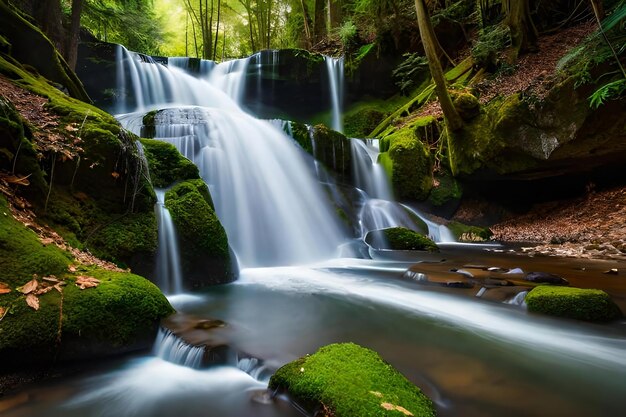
<point x="334" y="66"/>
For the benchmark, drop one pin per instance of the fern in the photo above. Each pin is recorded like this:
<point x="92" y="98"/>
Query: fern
<point x="612" y="90"/>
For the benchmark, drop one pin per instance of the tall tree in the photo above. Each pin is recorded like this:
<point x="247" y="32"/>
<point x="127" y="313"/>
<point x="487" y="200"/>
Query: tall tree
<point x="523" y="31"/>
<point x="306" y="17"/>
<point x="429" y="41"/>
<point x="217" y="27"/>
<point x="71" y="51"/>
<point x="319" y="20"/>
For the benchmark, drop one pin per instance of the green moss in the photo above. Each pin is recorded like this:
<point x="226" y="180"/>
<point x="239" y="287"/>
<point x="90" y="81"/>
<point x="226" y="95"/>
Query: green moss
<point x="204" y="244"/>
<point x="148" y="130"/>
<point x="349" y="380"/>
<point x="574" y="303"/>
<point x="301" y="134"/>
<point x="359" y="122"/>
<point x="401" y="238"/>
<point x="467" y="105"/>
<point x="447" y="189"/>
<point x="167" y="165"/>
<point x="407" y="163"/>
<point x="333" y="149"/>
<point x="22" y="254"/>
<point x="466" y="233"/>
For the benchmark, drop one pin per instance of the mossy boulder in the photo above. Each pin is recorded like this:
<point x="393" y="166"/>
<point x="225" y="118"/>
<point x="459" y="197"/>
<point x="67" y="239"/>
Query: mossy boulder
<point x="118" y="315"/>
<point x="467" y="105"/>
<point x="347" y="380"/>
<point x="469" y="234"/>
<point x="166" y="164"/>
<point x="205" y="254"/>
<point x="573" y="303"/>
<point x="408" y="164"/>
<point x="334" y="150"/>
<point x="400" y="238"/>
<point x="361" y="121"/>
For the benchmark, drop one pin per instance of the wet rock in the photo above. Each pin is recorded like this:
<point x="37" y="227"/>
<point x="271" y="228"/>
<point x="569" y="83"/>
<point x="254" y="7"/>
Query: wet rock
<point x="497" y="282"/>
<point x="612" y="271"/>
<point x="545" y="278"/>
<point x="457" y="284"/>
<point x="463" y="272"/>
<point x="515" y="271"/>
<point x="209" y="324"/>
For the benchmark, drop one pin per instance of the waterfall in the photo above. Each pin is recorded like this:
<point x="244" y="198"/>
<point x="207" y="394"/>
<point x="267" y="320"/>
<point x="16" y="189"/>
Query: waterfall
<point x="518" y="300"/>
<point x="200" y="67"/>
<point x="368" y="174"/>
<point x="169" y="275"/>
<point x="173" y="349"/>
<point x="334" y="66"/>
<point x="268" y="200"/>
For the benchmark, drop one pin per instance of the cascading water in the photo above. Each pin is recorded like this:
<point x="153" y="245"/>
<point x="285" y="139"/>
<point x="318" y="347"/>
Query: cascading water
<point x="168" y="270"/>
<point x="368" y="174"/>
<point x="334" y="66"/>
<point x="273" y="209"/>
<point x="173" y="349"/>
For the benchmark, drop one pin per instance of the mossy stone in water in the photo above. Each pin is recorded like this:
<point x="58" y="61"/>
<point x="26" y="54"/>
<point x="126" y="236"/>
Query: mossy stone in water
<point x="347" y="380"/>
<point x="400" y="238"/>
<point x="204" y="245"/>
<point x="167" y="165"/>
<point x="573" y="303"/>
<point x="467" y="233"/>
<point x="333" y="149"/>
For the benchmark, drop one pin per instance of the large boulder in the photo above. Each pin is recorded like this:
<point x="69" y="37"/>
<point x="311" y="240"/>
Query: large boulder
<point x="347" y="380"/>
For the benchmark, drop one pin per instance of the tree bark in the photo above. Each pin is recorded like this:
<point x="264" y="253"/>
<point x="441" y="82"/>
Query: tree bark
<point x="307" y="24"/>
<point x="523" y="31"/>
<point x="319" y="22"/>
<point x="217" y="28"/>
<point x="71" y="50"/>
<point x="429" y="42"/>
<point x="49" y="17"/>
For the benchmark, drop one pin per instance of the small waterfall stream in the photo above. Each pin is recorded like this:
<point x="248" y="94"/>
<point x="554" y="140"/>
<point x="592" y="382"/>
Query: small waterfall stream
<point x="169" y="275"/>
<point x="334" y="66"/>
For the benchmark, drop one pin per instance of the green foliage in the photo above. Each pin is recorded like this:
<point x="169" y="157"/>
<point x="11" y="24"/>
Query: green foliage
<point x="166" y="164"/>
<point x="613" y="90"/>
<point x="467" y="233"/>
<point x="491" y="41"/>
<point x="348" y="34"/>
<point x="573" y="303"/>
<point x="349" y="380"/>
<point x="411" y="72"/>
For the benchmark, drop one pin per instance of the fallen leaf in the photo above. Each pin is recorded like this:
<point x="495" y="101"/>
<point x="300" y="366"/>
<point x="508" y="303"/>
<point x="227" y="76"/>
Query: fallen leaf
<point x="71" y="268"/>
<point x="71" y="128"/>
<point x="4" y="288"/>
<point x="51" y="278"/>
<point x="58" y="286"/>
<point x="2" y="311"/>
<point x="389" y="406"/>
<point x="46" y="241"/>
<point x="32" y="301"/>
<point x="29" y="287"/>
<point x="43" y="290"/>
<point x="83" y="282"/>
<point x="115" y="175"/>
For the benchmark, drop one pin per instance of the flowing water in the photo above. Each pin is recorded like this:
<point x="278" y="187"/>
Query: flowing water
<point x="334" y="67"/>
<point x="169" y="276"/>
<point x="472" y="357"/>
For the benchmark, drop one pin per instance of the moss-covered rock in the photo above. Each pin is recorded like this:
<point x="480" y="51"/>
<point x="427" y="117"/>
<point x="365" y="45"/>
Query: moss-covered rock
<point x="333" y="149"/>
<point x="361" y="121"/>
<point x="347" y="380"/>
<point x="467" y="105"/>
<point x="408" y="164"/>
<point x="467" y="233"/>
<point x="205" y="253"/>
<point x="166" y="164"/>
<point x="400" y="238"/>
<point x="118" y="315"/>
<point x="573" y="303"/>
<point x="445" y="190"/>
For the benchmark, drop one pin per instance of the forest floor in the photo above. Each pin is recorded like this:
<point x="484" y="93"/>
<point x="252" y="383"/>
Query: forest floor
<point x="593" y="226"/>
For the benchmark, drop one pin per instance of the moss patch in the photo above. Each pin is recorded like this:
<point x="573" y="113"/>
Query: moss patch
<point x="400" y="238"/>
<point x="573" y="303"/>
<point x="333" y="149"/>
<point x="204" y="245"/>
<point x="466" y="233"/>
<point x="359" y="122"/>
<point x="447" y="189"/>
<point x="348" y="380"/>
<point x="120" y="313"/>
<point x="167" y="165"/>
<point x="408" y="164"/>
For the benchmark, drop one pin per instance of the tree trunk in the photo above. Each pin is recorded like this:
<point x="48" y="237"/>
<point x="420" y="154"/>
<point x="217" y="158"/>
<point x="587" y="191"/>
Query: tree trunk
<point x="334" y="13"/>
<point x="217" y="28"/>
<point x="429" y="42"/>
<point x="49" y="17"/>
<point x="307" y="24"/>
<point x="71" y="50"/>
<point x="319" y="22"/>
<point x="523" y="31"/>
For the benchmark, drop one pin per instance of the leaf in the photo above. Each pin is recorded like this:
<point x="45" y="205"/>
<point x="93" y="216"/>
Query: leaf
<point x="32" y="301"/>
<point x="83" y="282"/>
<point x="29" y="287"/>
<point x="71" y="268"/>
<point x="51" y="278"/>
<point x="115" y="175"/>
<point x="4" y="288"/>
<point x="2" y="311"/>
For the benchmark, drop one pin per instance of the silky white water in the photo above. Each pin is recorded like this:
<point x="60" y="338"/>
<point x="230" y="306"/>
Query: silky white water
<point x="334" y="68"/>
<point x="169" y="274"/>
